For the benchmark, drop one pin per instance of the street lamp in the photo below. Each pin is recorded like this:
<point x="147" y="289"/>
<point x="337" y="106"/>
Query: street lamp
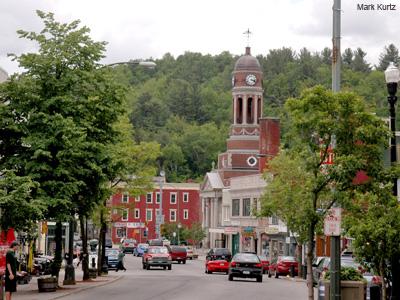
<point x="392" y="76"/>
<point x="160" y="215"/>
<point x="179" y="229"/>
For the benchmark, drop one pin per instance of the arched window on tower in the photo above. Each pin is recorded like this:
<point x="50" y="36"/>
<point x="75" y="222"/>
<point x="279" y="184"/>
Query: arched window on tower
<point x="250" y="111"/>
<point x="258" y="110"/>
<point x="239" y="111"/>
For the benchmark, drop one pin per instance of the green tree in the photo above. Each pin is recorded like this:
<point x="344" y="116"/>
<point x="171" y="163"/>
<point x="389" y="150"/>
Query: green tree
<point x="390" y="54"/>
<point x="193" y="234"/>
<point x="359" y="63"/>
<point x="316" y="118"/>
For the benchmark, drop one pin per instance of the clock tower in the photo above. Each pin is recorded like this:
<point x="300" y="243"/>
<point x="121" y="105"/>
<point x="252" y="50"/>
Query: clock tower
<point x="242" y="155"/>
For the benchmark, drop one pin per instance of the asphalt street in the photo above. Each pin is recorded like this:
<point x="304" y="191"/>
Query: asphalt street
<point x="189" y="282"/>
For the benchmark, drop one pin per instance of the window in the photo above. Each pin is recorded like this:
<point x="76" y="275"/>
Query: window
<point x="172" y="215"/>
<point x="149" y="214"/>
<point x="158" y="198"/>
<point x="246" y="207"/>
<point x="274" y="220"/>
<point x="185" y="214"/>
<point x="125" y="213"/>
<point x="172" y="198"/>
<point x="121" y="232"/>
<point x="125" y="198"/>
<point x="185" y="197"/>
<point x="137" y="213"/>
<point x="149" y="198"/>
<point x="137" y="199"/>
<point x="235" y="207"/>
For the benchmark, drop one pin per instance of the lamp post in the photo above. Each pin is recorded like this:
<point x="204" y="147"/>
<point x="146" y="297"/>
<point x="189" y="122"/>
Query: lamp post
<point x="103" y="263"/>
<point x="160" y="216"/>
<point x="179" y="229"/>
<point x="392" y="77"/>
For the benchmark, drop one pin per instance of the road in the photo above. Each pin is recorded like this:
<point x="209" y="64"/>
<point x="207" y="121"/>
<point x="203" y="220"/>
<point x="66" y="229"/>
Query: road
<point x="189" y="282"/>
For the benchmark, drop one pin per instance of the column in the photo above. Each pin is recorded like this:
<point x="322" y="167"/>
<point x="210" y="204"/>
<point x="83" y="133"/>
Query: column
<point x="255" y="109"/>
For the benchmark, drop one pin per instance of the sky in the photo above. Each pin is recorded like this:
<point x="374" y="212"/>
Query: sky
<point x="143" y="29"/>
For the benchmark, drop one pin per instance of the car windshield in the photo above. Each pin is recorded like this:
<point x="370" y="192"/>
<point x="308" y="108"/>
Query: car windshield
<point x="158" y="250"/>
<point x="112" y="252"/>
<point x="178" y="249"/>
<point x="221" y="252"/>
<point x="143" y="246"/>
<point x="263" y="257"/>
<point x="246" y="257"/>
<point x="288" y="258"/>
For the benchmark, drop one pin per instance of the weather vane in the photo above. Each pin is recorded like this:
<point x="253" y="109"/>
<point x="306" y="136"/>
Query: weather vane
<point x="248" y="32"/>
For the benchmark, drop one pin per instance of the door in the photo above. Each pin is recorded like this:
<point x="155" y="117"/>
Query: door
<point x="235" y="244"/>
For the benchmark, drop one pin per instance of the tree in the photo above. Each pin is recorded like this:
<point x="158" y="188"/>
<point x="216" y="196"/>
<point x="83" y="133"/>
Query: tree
<point x="347" y="58"/>
<point x="316" y="118"/>
<point x="390" y="54"/>
<point x="359" y="63"/>
<point x="193" y="234"/>
<point x="64" y="107"/>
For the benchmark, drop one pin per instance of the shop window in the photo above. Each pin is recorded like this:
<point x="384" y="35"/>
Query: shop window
<point x="235" y="207"/>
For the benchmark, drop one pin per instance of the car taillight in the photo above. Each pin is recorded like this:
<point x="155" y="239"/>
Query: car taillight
<point x="233" y="264"/>
<point x="258" y="265"/>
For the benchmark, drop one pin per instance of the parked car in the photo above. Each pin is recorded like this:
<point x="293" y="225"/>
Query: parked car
<point x="219" y="253"/>
<point x="216" y="265"/>
<point x="265" y="263"/>
<point x="156" y="256"/>
<point x="320" y="264"/>
<point x="190" y="252"/>
<point x="178" y="253"/>
<point x="281" y="266"/>
<point x="109" y="243"/>
<point x="112" y="257"/>
<point x="246" y="265"/>
<point x="128" y="245"/>
<point x="140" y="249"/>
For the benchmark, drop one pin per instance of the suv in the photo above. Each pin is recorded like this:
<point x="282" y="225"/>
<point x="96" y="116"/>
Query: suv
<point x="178" y="253"/>
<point x="156" y="256"/>
<point x="128" y="245"/>
<point x="219" y="254"/>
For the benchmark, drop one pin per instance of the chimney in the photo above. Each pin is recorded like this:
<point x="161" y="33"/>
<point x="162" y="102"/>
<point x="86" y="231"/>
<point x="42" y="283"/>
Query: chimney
<point x="248" y="50"/>
<point x="269" y="141"/>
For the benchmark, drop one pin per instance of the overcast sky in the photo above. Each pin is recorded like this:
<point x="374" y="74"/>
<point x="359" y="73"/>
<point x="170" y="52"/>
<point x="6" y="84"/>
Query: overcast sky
<point x="150" y="28"/>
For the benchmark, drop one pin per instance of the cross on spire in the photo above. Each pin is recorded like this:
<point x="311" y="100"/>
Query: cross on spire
<point x="248" y="33"/>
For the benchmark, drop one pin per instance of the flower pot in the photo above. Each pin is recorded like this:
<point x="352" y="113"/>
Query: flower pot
<point x="47" y="284"/>
<point x="350" y="290"/>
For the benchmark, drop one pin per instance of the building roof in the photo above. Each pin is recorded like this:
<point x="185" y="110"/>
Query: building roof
<point x="212" y="181"/>
<point x="247" y="62"/>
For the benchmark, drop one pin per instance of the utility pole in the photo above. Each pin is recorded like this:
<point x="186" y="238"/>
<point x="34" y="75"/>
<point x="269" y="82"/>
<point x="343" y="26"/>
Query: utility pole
<point x="336" y="62"/>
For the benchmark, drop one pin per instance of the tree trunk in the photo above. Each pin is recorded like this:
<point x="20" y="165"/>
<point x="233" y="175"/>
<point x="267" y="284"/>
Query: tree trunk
<point x="85" y="258"/>
<point x="310" y="256"/>
<point x="300" y="259"/>
<point x="382" y="274"/>
<point x="100" y="246"/>
<point x="56" y="266"/>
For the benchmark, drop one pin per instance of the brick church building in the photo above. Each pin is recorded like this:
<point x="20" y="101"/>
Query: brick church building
<point x="230" y="194"/>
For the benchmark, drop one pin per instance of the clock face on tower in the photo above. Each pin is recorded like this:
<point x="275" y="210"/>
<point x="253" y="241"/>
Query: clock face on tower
<point x="251" y="79"/>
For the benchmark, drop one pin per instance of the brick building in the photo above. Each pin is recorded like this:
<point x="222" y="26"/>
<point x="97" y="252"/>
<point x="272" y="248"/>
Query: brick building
<point x="132" y="216"/>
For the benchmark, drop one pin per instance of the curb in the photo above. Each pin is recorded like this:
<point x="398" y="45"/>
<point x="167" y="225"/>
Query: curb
<point x="86" y="288"/>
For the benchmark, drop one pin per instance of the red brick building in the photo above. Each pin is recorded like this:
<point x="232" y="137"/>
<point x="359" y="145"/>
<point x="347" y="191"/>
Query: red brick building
<point x="132" y="216"/>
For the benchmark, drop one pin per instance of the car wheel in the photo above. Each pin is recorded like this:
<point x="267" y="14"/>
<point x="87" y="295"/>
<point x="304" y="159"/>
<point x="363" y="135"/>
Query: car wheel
<point x="148" y="267"/>
<point x="205" y="270"/>
<point x="190" y="258"/>
<point x="169" y="267"/>
<point x="230" y="278"/>
<point x="269" y="274"/>
<point x="276" y="274"/>
<point x="164" y="267"/>
<point x="179" y="261"/>
<point x="259" y="278"/>
<point x="184" y="261"/>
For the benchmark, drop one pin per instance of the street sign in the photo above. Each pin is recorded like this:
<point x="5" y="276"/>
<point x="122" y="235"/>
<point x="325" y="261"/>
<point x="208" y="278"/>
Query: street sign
<point x="333" y="222"/>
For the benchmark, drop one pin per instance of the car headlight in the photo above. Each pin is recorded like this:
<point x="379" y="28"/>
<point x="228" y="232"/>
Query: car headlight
<point x="150" y="258"/>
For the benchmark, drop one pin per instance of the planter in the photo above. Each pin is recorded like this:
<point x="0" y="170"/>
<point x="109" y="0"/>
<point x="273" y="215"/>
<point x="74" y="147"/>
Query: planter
<point x="48" y="284"/>
<point x="92" y="273"/>
<point x="350" y="290"/>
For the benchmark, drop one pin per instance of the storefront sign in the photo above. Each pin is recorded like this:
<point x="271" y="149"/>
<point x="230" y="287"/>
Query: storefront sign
<point x="272" y="230"/>
<point x="248" y="231"/>
<point x="231" y="230"/>
<point x="119" y="224"/>
<point x="135" y="225"/>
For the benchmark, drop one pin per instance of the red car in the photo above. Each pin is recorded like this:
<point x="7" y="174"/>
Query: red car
<point x="217" y="265"/>
<point x="178" y="253"/>
<point x="281" y="266"/>
<point x="156" y="256"/>
<point x="265" y="263"/>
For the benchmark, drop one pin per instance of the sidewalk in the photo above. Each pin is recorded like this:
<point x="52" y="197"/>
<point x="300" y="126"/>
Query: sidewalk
<point x="30" y="291"/>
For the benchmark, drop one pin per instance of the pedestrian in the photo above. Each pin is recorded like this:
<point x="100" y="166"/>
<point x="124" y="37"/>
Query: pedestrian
<point x="11" y="270"/>
<point x="120" y="264"/>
